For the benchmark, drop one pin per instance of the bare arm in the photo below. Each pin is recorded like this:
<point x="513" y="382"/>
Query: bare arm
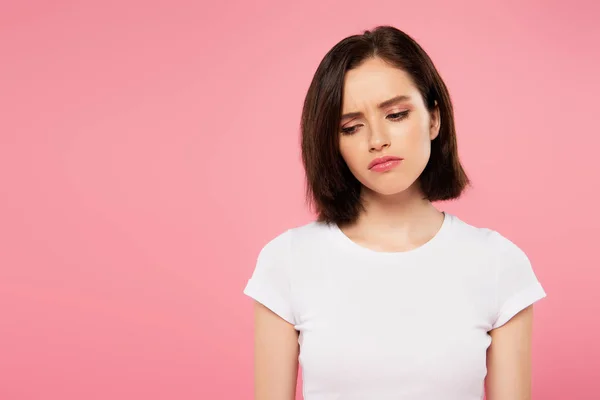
<point x="275" y="356"/>
<point x="509" y="359"/>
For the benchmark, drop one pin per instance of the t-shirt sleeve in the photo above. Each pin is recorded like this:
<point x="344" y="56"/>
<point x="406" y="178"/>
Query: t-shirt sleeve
<point x="517" y="286"/>
<point x="270" y="281"/>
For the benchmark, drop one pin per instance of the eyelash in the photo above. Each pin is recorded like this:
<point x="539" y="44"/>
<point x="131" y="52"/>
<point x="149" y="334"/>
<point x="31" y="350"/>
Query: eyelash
<point x="400" y="116"/>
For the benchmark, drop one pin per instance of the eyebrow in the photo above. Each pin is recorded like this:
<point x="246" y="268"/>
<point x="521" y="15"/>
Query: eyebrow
<point x="383" y="104"/>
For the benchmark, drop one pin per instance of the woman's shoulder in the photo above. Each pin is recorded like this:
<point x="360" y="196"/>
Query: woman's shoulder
<point x="304" y="234"/>
<point x="484" y="237"/>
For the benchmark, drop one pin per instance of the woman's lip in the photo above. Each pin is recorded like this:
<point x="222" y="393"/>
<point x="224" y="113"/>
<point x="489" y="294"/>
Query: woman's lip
<point x="386" y="166"/>
<point x="382" y="160"/>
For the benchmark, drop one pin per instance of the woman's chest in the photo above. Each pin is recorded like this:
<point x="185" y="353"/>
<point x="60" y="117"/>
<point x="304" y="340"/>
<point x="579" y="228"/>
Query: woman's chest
<point x="397" y="331"/>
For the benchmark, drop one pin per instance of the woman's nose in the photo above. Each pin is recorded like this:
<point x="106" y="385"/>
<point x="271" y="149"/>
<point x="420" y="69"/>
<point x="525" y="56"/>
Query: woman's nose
<point x="378" y="141"/>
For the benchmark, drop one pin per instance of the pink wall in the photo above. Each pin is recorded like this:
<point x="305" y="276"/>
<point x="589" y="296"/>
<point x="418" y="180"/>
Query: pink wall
<point x="149" y="149"/>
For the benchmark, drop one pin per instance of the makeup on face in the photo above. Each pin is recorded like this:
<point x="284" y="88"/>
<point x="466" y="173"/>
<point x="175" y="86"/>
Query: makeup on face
<point x="385" y="163"/>
<point x="390" y="106"/>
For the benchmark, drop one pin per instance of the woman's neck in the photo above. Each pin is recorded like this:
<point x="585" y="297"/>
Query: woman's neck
<point x="402" y="220"/>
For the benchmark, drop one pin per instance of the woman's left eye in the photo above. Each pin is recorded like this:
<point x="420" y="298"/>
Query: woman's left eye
<point x="398" y="116"/>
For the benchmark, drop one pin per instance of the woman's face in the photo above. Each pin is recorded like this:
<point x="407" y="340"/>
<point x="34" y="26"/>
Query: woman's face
<point x="384" y="114"/>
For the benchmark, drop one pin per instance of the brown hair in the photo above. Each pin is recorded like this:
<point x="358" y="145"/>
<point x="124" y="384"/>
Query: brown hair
<point x="331" y="188"/>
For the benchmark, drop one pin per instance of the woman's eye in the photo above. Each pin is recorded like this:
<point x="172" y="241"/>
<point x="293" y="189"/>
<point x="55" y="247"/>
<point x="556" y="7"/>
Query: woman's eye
<point x="398" y="116"/>
<point x="394" y="117"/>
<point x="349" y="130"/>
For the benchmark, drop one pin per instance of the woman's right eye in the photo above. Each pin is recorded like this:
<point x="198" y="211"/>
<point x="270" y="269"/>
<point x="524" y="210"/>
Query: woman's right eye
<point x="349" y="130"/>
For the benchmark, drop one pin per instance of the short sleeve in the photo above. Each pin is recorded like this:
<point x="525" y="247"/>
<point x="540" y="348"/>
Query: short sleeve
<point x="517" y="286"/>
<point x="270" y="281"/>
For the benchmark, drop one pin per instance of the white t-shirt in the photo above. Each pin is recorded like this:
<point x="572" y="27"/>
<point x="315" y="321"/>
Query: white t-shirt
<point x="394" y="325"/>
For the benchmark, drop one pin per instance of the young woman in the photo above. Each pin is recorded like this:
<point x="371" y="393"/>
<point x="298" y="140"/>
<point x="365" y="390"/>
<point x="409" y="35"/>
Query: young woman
<point x="383" y="296"/>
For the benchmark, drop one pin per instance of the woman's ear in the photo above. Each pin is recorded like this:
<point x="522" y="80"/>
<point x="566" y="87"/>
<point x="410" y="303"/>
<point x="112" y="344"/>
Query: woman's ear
<point x="434" y="127"/>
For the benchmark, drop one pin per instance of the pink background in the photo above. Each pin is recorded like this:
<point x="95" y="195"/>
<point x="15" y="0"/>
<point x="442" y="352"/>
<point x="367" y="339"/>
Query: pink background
<point x="149" y="149"/>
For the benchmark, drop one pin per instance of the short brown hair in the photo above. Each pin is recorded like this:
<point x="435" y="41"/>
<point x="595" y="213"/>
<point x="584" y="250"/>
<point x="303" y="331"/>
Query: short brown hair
<point x="331" y="188"/>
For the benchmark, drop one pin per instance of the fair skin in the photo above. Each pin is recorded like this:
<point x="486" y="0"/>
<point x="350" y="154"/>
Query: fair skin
<point x="275" y="356"/>
<point x="384" y="114"/>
